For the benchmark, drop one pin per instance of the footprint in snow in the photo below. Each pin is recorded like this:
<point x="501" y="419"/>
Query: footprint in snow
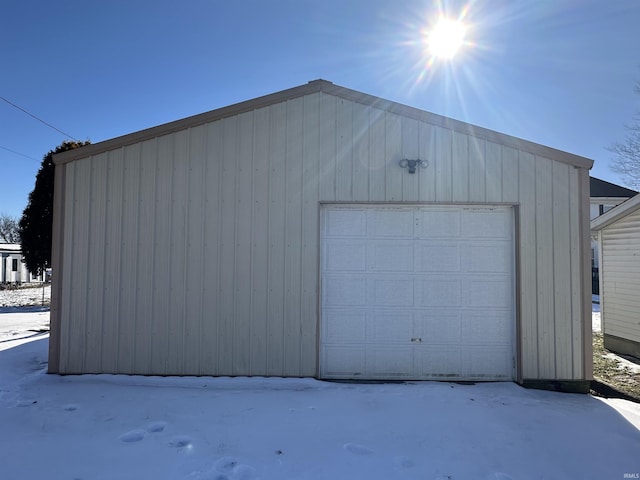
<point x="181" y="442"/>
<point x="226" y="468"/>
<point x="132" y="436"/>
<point x="156" y="427"/>
<point x="70" y="408"/>
<point x="357" y="449"/>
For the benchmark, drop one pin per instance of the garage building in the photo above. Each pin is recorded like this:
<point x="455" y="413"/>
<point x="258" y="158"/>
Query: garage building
<point x="323" y="232"/>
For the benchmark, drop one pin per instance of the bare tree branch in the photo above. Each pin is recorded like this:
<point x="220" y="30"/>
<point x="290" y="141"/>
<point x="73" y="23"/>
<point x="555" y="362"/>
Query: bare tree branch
<point x="9" y="231"/>
<point x="627" y="153"/>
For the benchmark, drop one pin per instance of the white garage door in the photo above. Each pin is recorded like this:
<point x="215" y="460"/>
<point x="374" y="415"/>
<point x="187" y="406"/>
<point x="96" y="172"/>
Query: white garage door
<point x="417" y="292"/>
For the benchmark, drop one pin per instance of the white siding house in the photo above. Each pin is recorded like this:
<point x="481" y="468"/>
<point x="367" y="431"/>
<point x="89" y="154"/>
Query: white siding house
<point x="603" y="197"/>
<point x="618" y="234"/>
<point x="12" y="268"/>
<point x="287" y="236"/>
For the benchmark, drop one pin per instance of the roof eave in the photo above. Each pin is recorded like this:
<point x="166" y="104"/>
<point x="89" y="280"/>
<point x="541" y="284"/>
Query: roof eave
<point x="615" y="214"/>
<point x="332" y="89"/>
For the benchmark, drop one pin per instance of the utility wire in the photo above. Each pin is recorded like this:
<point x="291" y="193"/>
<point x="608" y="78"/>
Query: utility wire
<point x="39" y="119"/>
<point x="18" y="153"/>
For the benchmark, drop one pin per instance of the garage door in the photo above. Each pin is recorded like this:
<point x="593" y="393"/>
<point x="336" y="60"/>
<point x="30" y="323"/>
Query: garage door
<point x="417" y="292"/>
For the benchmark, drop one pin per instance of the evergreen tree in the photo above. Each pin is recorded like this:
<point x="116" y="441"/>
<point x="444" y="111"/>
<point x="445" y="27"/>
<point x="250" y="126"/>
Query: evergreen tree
<point x="37" y="218"/>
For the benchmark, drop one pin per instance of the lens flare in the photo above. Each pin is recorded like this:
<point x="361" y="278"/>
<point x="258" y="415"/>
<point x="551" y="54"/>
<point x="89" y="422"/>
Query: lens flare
<point x="446" y="38"/>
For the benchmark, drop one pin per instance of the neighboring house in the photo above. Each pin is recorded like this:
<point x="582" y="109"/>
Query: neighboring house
<point x="618" y="235"/>
<point x="12" y="268"/>
<point x="604" y="196"/>
<point x="323" y="232"/>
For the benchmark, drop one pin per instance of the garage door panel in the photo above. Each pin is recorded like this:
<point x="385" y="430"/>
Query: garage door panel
<point x="389" y="361"/>
<point x="433" y="300"/>
<point x="487" y="258"/>
<point x="345" y="290"/>
<point x="439" y="362"/>
<point x="438" y="257"/>
<point x="487" y="327"/>
<point x="488" y="291"/>
<point x="391" y="256"/>
<point x="391" y="290"/>
<point x="396" y="223"/>
<point x="390" y="327"/>
<point x="344" y="361"/>
<point x="345" y="326"/>
<point x="343" y="255"/>
<point x="439" y="291"/>
<point x="439" y="327"/>
<point x="484" y="363"/>
<point x="345" y="223"/>
<point x="483" y="222"/>
<point x="439" y="223"/>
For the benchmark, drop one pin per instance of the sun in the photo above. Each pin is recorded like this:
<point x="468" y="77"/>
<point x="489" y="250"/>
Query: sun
<point x="446" y="38"/>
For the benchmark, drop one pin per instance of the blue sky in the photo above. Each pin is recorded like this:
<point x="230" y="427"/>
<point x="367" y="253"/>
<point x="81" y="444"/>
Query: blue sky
<point x="557" y="72"/>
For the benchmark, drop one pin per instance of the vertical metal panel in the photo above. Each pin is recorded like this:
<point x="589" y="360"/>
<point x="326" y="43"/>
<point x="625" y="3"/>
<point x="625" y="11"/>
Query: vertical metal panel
<point x="66" y="279"/>
<point x="216" y="233"/>
<point x="293" y="232"/>
<point x="176" y="254"/>
<point x="428" y="153"/>
<point x="443" y="165"/>
<point x="260" y="245"/>
<point x="344" y="150"/>
<point x="212" y="246"/>
<point x="563" y="348"/>
<point x="544" y="266"/>
<point x="393" y="154"/>
<point x="57" y="263"/>
<point x="310" y="234"/>
<point x="377" y="156"/>
<point x="361" y="155"/>
<point x="146" y="269"/>
<point x="161" y="296"/>
<point x="510" y="174"/>
<point x="129" y="275"/>
<point x="528" y="254"/>
<point x="96" y="260"/>
<point x="242" y="247"/>
<point x="277" y="248"/>
<point x="493" y="172"/>
<point x="460" y="160"/>
<point x="328" y="114"/>
<point x="227" y="252"/>
<point x="477" y="170"/>
<point x="77" y="312"/>
<point x="194" y="264"/>
<point x="112" y="223"/>
<point x="410" y="150"/>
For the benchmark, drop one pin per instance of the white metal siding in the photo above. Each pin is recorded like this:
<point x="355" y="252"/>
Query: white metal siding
<point x="620" y="274"/>
<point x="197" y="251"/>
<point x="417" y="292"/>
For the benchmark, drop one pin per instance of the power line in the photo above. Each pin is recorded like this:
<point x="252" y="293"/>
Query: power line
<point x="18" y="153"/>
<point x="39" y="119"/>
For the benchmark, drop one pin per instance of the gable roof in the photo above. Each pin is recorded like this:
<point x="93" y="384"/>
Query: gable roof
<point x="601" y="188"/>
<point x="327" y="87"/>
<point x="616" y="213"/>
<point x="10" y="247"/>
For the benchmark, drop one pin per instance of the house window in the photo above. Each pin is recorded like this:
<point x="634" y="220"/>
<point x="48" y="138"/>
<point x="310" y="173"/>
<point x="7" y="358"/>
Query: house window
<point x="14" y="265"/>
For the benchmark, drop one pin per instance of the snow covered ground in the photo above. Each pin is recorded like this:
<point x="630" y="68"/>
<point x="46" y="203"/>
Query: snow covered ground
<point x="95" y="427"/>
<point x="20" y="297"/>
